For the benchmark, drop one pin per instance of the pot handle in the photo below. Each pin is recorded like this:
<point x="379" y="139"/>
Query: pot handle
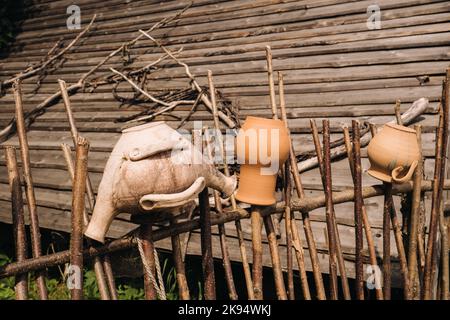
<point x="395" y="173"/>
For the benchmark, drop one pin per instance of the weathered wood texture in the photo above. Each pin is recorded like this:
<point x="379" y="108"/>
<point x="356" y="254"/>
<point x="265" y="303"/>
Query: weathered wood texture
<point x="333" y="66"/>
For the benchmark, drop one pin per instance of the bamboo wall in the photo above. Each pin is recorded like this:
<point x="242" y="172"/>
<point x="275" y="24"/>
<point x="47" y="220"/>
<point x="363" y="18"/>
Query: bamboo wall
<point x="334" y="67"/>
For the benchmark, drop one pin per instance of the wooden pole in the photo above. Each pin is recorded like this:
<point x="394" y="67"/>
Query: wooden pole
<point x="183" y="288"/>
<point x="78" y="195"/>
<point x="400" y="250"/>
<point x="206" y="244"/>
<point x="31" y="199"/>
<point x="257" y="272"/>
<point x="366" y="222"/>
<point x="443" y="227"/>
<point x="387" y="240"/>
<point x="148" y="248"/>
<point x="427" y="293"/>
<point x="276" y="262"/>
<point x="358" y="205"/>
<point x="98" y="265"/>
<point x="268" y="222"/>
<point x="101" y="269"/>
<point x="414" y="221"/>
<point x="222" y="234"/>
<point x="339" y="253"/>
<point x="18" y="221"/>
<point x="273" y="103"/>
<point x="398" y="115"/>
<point x="293" y="237"/>
<point x="397" y="229"/>
<point x="287" y="219"/>
<point x="331" y="231"/>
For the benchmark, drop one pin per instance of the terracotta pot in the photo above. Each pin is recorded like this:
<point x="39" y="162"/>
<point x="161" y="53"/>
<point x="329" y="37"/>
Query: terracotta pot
<point x="262" y="147"/>
<point x="152" y="168"/>
<point x="393" y="154"/>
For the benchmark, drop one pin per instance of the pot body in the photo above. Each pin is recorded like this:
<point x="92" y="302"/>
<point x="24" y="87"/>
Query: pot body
<point x="148" y="161"/>
<point x="262" y="147"/>
<point x="393" y="154"/>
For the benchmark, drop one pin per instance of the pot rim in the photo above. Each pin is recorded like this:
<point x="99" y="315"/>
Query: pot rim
<point x="262" y="119"/>
<point x="400" y="128"/>
<point x="143" y="126"/>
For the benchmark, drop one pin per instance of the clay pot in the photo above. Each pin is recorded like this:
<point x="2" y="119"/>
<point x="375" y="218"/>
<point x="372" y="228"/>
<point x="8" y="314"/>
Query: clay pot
<point x="152" y="168"/>
<point x="262" y="147"/>
<point x="393" y="154"/>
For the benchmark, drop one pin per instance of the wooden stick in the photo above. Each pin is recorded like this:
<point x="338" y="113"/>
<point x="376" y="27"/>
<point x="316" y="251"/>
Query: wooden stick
<point x="31" y="199"/>
<point x="18" y="220"/>
<point x="443" y="227"/>
<point x="148" y="247"/>
<point x="276" y="262"/>
<point x="427" y="293"/>
<point x="357" y="181"/>
<point x="183" y="288"/>
<point x="400" y="250"/>
<point x="98" y="265"/>
<point x="398" y="115"/>
<point x="366" y="222"/>
<point x="293" y="237"/>
<point x="287" y="219"/>
<point x="243" y="251"/>
<point x="257" y="273"/>
<point x="331" y="230"/>
<point x="222" y="234"/>
<point x="387" y="240"/>
<point x="106" y="292"/>
<point x="206" y="244"/>
<point x="339" y="253"/>
<point x="273" y="104"/>
<point x="76" y="239"/>
<point x="110" y="277"/>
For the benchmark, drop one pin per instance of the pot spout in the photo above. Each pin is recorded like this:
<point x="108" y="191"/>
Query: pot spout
<point x="102" y="217"/>
<point x="222" y="183"/>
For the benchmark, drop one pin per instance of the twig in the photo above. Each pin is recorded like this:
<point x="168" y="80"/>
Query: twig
<point x="30" y="73"/>
<point x="230" y="123"/>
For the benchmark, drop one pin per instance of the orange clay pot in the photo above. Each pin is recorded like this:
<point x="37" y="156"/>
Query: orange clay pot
<point x="393" y="154"/>
<point x="262" y="147"/>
